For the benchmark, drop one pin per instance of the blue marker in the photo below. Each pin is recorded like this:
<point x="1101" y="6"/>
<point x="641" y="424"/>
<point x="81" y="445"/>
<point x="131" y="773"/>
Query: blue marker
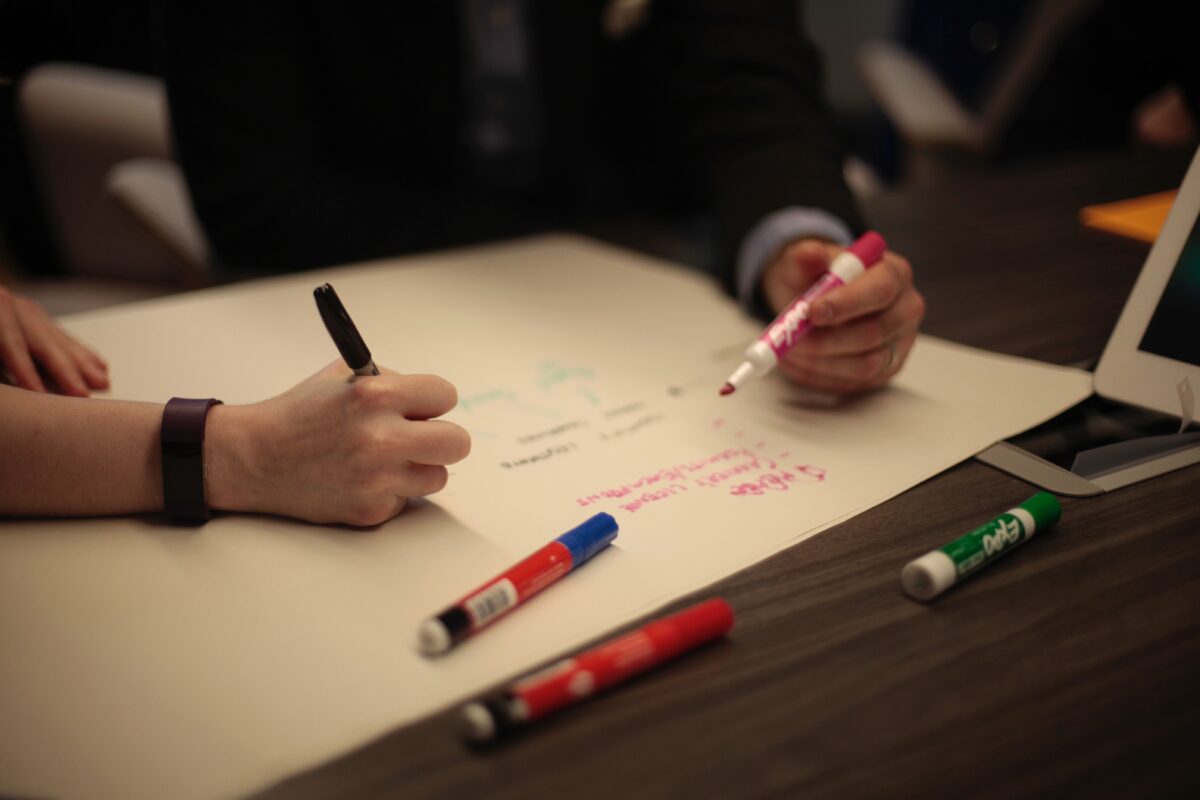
<point x="506" y="591"/>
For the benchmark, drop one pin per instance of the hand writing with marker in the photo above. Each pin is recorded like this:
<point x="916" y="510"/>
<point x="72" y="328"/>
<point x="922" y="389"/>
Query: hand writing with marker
<point x="862" y="332"/>
<point x="335" y="447"/>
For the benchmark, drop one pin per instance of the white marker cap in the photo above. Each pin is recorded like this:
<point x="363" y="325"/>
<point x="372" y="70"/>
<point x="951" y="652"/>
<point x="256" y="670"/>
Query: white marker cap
<point x="929" y="575"/>
<point x="478" y="723"/>
<point x="432" y="637"/>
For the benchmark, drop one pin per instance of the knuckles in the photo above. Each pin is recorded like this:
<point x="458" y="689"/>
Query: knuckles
<point x="395" y="392"/>
<point x="383" y="494"/>
<point x="373" y="394"/>
<point x="871" y="365"/>
<point x="886" y="292"/>
<point x="369" y="441"/>
<point x="873" y="333"/>
<point x="375" y="511"/>
<point x="919" y="306"/>
<point x="374" y="444"/>
<point x="461" y="447"/>
<point x="432" y="480"/>
<point x="901" y="267"/>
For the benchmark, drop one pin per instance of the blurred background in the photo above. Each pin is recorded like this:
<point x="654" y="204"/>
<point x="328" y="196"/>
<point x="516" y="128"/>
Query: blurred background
<point x="94" y="211"/>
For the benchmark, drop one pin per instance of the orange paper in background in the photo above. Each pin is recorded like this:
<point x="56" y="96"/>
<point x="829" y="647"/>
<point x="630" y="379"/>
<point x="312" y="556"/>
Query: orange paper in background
<point x="1138" y="218"/>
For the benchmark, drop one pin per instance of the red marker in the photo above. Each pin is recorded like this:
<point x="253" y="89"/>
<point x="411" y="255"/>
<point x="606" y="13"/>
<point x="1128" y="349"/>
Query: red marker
<point x="792" y="322"/>
<point x="574" y="679"/>
<point x="506" y="591"/>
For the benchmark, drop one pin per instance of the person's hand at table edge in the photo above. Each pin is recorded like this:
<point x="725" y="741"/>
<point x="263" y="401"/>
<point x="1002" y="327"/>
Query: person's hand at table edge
<point x="30" y="339"/>
<point x="861" y="333"/>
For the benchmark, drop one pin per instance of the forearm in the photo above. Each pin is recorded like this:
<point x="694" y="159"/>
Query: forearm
<point x="73" y="456"/>
<point x="65" y="456"/>
<point x="330" y="449"/>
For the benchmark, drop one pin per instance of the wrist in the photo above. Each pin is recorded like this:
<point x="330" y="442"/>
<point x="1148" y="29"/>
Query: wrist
<point x="230" y="475"/>
<point x="773" y="233"/>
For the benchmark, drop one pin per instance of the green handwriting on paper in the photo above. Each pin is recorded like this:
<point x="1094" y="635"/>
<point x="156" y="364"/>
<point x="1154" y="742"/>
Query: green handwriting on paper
<point x="550" y="377"/>
<point x="504" y="397"/>
<point x="482" y="398"/>
<point x="552" y="374"/>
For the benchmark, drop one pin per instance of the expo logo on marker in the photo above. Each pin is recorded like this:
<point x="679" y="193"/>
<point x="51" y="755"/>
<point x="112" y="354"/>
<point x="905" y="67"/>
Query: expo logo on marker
<point x="784" y="332"/>
<point x="1006" y="534"/>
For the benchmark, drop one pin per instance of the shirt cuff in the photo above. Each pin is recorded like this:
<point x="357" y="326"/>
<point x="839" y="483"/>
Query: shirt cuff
<point x="773" y="232"/>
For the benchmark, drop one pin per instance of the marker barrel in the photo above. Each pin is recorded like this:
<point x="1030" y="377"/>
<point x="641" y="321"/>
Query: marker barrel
<point x="517" y="584"/>
<point x="793" y="323"/>
<point x="934" y="572"/>
<point x="574" y="679"/>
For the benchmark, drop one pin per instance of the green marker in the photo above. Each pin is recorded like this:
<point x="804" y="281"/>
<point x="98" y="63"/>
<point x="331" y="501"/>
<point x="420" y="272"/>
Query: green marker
<point x="934" y="573"/>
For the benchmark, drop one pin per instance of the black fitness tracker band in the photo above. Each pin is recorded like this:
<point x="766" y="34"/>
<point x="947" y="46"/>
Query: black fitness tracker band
<point x="183" y="458"/>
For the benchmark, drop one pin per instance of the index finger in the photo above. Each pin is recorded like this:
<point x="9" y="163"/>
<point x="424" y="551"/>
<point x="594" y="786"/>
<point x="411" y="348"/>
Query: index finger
<point x="877" y="289"/>
<point x="14" y="350"/>
<point x="414" y="396"/>
<point x="432" y="441"/>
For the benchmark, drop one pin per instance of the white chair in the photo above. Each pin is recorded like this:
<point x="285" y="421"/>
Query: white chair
<point x="154" y="193"/>
<point x="99" y="141"/>
<point x="931" y="120"/>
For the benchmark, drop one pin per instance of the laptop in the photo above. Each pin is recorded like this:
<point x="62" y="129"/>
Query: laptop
<point x="1152" y="358"/>
<point x="1146" y="379"/>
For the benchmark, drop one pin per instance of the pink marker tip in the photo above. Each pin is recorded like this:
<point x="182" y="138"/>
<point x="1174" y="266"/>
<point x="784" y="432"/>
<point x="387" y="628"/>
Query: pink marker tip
<point x="868" y="248"/>
<point x="727" y="389"/>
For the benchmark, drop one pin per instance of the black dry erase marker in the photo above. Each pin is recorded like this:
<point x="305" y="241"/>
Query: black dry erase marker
<point x="345" y="335"/>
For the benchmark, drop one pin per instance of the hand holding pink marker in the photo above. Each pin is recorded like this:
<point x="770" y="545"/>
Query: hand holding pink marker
<point x="793" y="322"/>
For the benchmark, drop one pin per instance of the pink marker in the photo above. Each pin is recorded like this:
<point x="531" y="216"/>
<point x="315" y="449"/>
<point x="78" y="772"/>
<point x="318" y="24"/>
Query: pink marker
<point x="792" y="322"/>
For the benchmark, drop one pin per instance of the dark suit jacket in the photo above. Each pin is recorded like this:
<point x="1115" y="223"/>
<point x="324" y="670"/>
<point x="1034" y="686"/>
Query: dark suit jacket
<point x="323" y="131"/>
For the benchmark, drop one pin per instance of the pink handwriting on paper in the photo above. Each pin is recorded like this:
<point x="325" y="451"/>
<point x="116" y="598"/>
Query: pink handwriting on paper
<point x="737" y="470"/>
<point x="779" y="480"/>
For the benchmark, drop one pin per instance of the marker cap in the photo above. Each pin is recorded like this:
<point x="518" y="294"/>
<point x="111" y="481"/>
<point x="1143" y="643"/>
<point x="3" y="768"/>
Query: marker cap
<point x="433" y="637"/>
<point x="341" y="328"/>
<point x="488" y="718"/>
<point x="1044" y="508"/>
<point x="703" y="621"/>
<point x="589" y="538"/>
<point x="929" y="576"/>
<point x="478" y="724"/>
<point x="868" y="248"/>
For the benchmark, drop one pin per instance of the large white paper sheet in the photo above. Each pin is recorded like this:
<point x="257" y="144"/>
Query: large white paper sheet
<point x="141" y="660"/>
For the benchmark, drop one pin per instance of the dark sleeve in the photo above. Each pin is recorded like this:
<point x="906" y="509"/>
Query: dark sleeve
<point x="744" y="89"/>
<point x="248" y="130"/>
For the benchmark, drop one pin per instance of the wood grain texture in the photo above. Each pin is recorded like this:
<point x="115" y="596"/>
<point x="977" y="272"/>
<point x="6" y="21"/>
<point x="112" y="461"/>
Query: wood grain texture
<point x="1069" y="668"/>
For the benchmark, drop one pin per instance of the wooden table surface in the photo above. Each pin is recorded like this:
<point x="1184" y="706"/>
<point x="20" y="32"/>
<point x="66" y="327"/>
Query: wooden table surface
<point x="1070" y="668"/>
